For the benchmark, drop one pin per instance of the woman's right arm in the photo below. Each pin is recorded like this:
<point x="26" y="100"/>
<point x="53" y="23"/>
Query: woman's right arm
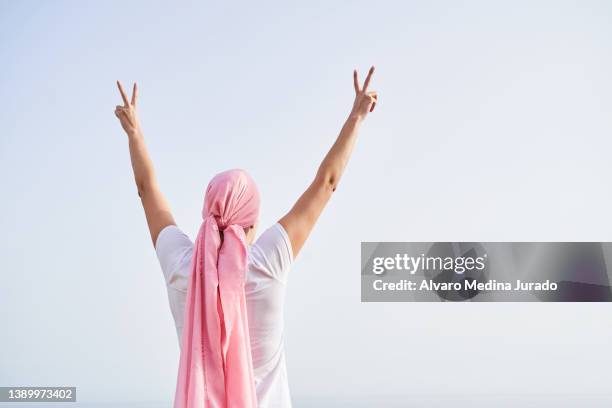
<point x="301" y="219"/>
<point x="156" y="208"/>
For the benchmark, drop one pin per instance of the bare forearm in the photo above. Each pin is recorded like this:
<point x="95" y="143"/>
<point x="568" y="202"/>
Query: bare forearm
<point x="144" y="174"/>
<point x="333" y="165"/>
<point x="156" y="208"/>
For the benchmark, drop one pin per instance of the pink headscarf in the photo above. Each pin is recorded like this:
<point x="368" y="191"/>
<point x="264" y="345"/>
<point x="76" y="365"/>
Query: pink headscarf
<point x="216" y="368"/>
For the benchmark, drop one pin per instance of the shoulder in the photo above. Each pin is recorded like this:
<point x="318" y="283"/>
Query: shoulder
<point x="272" y="252"/>
<point x="174" y="251"/>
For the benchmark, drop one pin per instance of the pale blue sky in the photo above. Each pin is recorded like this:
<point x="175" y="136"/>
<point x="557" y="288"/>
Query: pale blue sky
<point x="494" y="123"/>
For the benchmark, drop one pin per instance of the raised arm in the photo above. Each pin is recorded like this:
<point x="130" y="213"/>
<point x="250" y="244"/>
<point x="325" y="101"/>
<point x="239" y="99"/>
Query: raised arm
<point x="157" y="210"/>
<point x="301" y="219"/>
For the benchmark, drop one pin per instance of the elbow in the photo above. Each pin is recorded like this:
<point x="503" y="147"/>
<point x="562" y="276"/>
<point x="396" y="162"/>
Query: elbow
<point x="146" y="186"/>
<point x="142" y="188"/>
<point x="327" y="179"/>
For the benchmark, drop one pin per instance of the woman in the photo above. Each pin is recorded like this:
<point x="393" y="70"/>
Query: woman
<point x="227" y="290"/>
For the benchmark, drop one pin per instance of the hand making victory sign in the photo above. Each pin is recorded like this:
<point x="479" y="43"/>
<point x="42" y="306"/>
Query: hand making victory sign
<point x="127" y="113"/>
<point x="364" y="101"/>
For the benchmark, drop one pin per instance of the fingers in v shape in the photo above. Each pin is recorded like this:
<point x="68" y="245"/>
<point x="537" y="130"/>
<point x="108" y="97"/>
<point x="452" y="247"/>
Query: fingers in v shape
<point x="123" y="95"/>
<point x="366" y="82"/>
<point x="126" y="101"/>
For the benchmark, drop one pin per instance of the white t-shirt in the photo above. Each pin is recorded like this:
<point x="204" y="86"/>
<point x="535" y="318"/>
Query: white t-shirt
<point x="269" y="260"/>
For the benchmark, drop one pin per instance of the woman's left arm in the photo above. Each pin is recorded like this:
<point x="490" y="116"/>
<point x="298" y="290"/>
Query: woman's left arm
<point x="156" y="208"/>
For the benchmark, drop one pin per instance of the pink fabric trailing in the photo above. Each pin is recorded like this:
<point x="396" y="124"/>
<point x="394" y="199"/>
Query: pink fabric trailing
<point x="216" y="368"/>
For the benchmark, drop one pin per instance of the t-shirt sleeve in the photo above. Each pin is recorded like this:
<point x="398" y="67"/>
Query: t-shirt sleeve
<point x="272" y="252"/>
<point x="174" y="251"/>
